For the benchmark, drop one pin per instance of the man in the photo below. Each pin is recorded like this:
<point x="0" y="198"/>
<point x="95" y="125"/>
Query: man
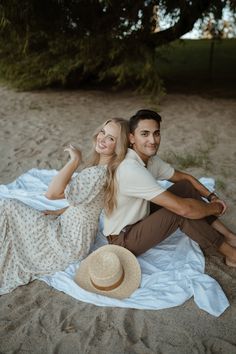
<point x="132" y="225"/>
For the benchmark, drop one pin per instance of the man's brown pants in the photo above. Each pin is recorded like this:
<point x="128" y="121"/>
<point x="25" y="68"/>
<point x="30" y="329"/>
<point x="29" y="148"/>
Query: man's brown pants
<point x="161" y="223"/>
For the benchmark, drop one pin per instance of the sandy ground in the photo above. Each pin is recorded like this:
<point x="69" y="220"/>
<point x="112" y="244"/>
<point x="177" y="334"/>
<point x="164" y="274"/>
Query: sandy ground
<point x="35" y="318"/>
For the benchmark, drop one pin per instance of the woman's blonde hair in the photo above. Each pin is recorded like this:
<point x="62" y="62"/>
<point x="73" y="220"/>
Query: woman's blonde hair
<point x="122" y="144"/>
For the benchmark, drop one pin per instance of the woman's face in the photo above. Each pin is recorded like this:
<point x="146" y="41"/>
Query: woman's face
<point x="107" y="139"/>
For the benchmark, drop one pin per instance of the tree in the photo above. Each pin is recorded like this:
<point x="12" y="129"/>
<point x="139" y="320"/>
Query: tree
<point x="70" y="42"/>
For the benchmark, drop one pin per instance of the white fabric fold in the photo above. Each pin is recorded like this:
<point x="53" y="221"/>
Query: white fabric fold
<point x="172" y="272"/>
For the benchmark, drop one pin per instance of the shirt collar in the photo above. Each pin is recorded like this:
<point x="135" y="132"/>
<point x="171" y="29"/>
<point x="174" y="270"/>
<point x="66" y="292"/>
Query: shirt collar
<point x="131" y="154"/>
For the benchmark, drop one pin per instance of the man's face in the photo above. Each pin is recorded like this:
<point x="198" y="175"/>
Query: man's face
<point x="146" y="138"/>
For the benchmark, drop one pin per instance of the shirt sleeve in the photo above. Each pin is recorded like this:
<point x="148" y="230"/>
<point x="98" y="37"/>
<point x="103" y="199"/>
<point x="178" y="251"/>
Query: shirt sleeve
<point x="160" y="169"/>
<point x="135" y="180"/>
<point x="85" y="186"/>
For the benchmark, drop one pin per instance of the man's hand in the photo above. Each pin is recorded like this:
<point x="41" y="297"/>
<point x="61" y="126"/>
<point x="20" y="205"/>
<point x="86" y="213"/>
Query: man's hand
<point x="188" y="207"/>
<point x="222" y="203"/>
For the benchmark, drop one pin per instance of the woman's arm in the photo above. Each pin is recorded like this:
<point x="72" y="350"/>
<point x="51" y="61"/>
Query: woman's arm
<point x="59" y="182"/>
<point x="55" y="212"/>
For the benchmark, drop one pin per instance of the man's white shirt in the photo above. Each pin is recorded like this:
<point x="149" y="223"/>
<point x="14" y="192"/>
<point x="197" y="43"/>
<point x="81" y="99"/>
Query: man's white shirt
<point x="136" y="186"/>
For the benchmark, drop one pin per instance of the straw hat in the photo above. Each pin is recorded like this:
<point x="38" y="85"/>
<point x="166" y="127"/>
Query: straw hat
<point x="111" y="271"/>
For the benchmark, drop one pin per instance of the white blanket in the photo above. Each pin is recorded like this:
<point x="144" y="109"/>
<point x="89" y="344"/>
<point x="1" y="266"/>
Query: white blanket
<point x="172" y="272"/>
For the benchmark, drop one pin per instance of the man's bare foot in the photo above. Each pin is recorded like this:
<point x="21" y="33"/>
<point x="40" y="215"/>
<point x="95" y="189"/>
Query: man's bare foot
<point x="231" y="239"/>
<point x="230" y="254"/>
<point x="229" y="263"/>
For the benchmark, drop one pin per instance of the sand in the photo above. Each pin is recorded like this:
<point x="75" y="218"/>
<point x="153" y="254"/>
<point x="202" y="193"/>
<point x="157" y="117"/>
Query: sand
<point x="34" y="127"/>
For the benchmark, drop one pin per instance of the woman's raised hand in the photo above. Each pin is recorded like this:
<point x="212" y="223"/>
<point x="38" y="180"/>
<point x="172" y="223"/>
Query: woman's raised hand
<point x="75" y="154"/>
<point x="62" y="178"/>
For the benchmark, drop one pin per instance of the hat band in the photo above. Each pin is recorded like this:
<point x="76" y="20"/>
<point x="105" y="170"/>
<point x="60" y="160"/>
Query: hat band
<point x="111" y="287"/>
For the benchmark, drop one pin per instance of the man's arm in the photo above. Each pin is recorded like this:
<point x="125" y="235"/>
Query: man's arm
<point x="187" y="207"/>
<point x="180" y="176"/>
<point x="204" y="192"/>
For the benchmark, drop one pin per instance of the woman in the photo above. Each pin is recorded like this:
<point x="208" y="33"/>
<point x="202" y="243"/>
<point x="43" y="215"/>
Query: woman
<point x="33" y="243"/>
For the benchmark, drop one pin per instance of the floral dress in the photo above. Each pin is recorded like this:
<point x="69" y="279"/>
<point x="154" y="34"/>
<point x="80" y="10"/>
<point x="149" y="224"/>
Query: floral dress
<point x="33" y="244"/>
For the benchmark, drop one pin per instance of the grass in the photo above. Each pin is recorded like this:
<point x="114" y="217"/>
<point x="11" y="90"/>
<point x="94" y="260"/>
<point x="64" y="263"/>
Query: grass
<point x="34" y="106"/>
<point x="183" y="64"/>
<point x="186" y="59"/>
<point x="185" y="67"/>
<point x="220" y="185"/>
<point x="199" y="158"/>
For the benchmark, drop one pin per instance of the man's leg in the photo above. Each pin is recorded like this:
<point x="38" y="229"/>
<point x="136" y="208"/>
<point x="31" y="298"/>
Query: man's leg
<point x="162" y="223"/>
<point x="230" y="237"/>
<point x="149" y="232"/>
<point x="184" y="189"/>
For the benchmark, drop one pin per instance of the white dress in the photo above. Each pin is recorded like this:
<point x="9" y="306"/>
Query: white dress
<point x="33" y="244"/>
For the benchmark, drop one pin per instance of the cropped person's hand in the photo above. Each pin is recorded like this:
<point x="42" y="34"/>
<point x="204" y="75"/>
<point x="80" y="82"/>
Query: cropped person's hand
<point x="75" y="154"/>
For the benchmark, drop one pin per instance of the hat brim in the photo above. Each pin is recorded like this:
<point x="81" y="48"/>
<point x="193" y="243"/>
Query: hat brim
<point x="132" y="273"/>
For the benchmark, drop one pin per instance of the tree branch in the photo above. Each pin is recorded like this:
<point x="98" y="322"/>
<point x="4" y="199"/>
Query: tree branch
<point x="189" y="14"/>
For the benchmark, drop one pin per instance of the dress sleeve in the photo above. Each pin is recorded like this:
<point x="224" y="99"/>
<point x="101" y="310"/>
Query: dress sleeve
<point x="86" y="185"/>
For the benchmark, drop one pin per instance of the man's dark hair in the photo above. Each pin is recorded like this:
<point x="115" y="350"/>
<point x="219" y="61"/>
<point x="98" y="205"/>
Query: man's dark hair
<point x="141" y="115"/>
